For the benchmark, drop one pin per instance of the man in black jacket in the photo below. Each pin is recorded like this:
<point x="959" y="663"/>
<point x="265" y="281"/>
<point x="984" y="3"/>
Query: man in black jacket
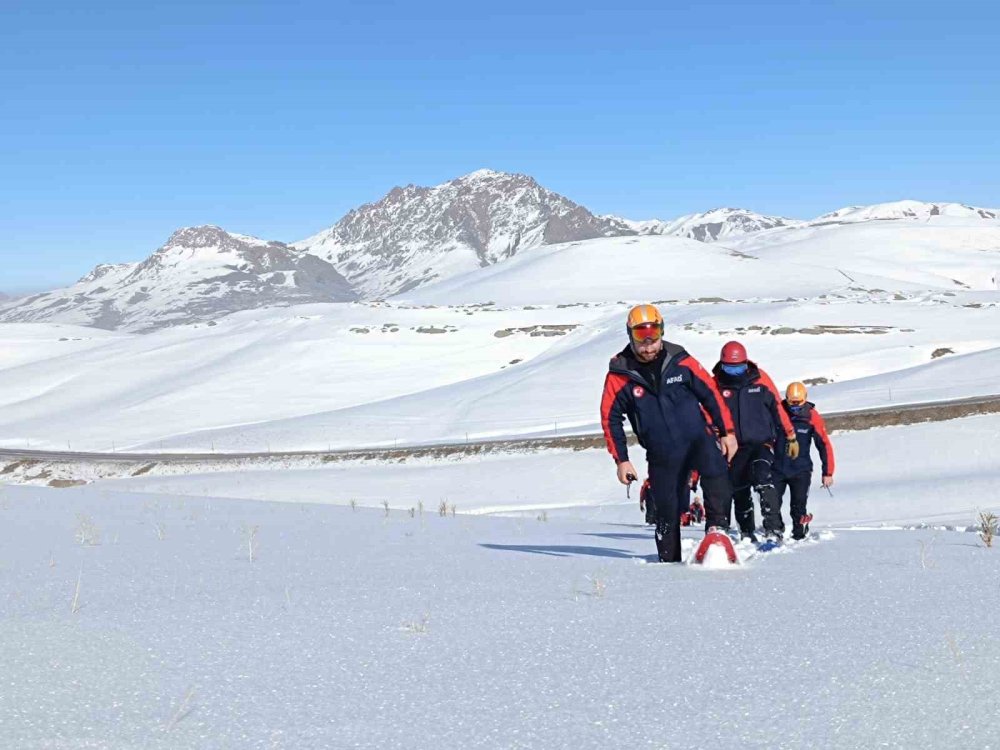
<point x="758" y="420"/>
<point x="665" y="394"/>
<point x="796" y="473"/>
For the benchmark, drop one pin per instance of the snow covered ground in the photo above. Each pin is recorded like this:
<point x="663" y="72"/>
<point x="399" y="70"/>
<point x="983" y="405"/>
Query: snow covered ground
<point x="925" y="473"/>
<point x="135" y="619"/>
<point x="894" y="311"/>
<point x="321" y="376"/>
<point x="530" y="615"/>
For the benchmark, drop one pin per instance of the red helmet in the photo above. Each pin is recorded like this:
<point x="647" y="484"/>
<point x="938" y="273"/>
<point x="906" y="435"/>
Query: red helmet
<point x="733" y="353"/>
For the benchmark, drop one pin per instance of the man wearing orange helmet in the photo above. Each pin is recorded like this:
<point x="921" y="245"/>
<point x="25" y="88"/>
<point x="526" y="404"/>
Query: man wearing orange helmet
<point x="759" y="420"/>
<point x="665" y="394"/>
<point x="796" y="473"/>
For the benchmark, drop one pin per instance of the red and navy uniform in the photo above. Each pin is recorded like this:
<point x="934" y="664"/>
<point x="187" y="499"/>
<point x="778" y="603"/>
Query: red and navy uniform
<point x="796" y="474"/>
<point x="758" y="418"/>
<point x="666" y="403"/>
<point x="755" y="404"/>
<point x="664" y="414"/>
<point x="809" y="428"/>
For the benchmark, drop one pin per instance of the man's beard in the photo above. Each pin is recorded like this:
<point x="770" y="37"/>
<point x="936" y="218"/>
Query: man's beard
<point x="647" y="357"/>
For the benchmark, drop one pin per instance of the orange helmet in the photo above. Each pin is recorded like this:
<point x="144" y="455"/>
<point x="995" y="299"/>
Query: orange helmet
<point x="796" y="393"/>
<point x="644" y="321"/>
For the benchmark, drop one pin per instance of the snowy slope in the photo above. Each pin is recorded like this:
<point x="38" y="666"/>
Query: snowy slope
<point x="558" y="390"/>
<point x="938" y="251"/>
<point x="904" y="210"/>
<point x="351" y="375"/>
<point x="60" y="384"/>
<point x="334" y="379"/>
<point x="418" y="234"/>
<point x="200" y="274"/>
<point x="139" y="620"/>
<point x="892" y="476"/>
<point x="637" y="268"/>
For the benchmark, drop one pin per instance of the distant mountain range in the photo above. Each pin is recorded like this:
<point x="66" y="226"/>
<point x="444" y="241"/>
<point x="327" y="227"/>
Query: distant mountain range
<point x="903" y="210"/>
<point x="717" y="224"/>
<point x="201" y="273"/>
<point x="411" y="237"/>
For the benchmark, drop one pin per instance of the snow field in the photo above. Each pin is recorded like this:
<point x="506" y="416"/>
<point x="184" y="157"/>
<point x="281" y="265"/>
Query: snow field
<point x="358" y="629"/>
<point x="939" y="473"/>
<point x="341" y="376"/>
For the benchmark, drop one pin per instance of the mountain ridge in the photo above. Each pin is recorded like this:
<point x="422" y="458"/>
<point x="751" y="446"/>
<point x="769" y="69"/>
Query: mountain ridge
<point x="414" y="235"/>
<point x="411" y="237"/>
<point x="200" y="274"/>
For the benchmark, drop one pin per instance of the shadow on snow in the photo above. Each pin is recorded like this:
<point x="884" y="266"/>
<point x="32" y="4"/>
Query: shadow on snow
<point x="619" y="535"/>
<point x="567" y="550"/>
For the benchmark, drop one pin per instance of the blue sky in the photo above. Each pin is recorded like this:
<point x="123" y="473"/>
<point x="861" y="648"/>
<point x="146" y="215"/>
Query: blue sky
<point x="124" y="121"/>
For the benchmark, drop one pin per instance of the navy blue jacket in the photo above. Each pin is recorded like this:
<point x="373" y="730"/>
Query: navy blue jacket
<point x="665" y="421"/>
<point x="809" y="428"/>
<point x="755" y="404"/>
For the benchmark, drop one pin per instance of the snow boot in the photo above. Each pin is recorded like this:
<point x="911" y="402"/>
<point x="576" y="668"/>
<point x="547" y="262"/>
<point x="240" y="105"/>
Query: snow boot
<point x="668" y="541"/>
<point x="800" y="529"/>
<point x="748" y="534"/>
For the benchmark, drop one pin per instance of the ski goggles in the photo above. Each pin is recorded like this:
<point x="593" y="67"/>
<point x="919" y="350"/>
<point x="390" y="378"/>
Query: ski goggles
<point x="795" y="407"/>
<point x="646" y="332"/>
<point x="739" y="369"/>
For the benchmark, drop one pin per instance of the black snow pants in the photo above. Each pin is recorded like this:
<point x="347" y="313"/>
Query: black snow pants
<point x="799" y="486"/>
<point x="668" y="481"/>
<point x="751" y="468"/>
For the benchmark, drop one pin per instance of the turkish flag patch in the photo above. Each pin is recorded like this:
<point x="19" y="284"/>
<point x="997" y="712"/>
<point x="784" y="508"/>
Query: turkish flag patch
<point x="638" y="391"/>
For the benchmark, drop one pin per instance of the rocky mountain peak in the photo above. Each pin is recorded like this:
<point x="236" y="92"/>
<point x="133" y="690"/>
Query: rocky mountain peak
<point x="415" y="235"/>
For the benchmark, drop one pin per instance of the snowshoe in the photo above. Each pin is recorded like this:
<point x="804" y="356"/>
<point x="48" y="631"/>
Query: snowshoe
<point x="748" y="534"/>
<point x="718" y="539"/>
<point x="773" y="540"/>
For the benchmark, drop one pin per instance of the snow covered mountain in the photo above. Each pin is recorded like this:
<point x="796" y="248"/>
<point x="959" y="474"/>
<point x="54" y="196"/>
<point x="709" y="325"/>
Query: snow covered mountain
<point x="719" y="223"/>
<point x="736" y="223"/>
<point x="200" y="274"/>
<point x="917" y="210"/>
<point x="415" y="235"/>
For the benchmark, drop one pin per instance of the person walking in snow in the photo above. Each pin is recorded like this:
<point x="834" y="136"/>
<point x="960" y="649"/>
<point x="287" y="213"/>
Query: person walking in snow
<point x="758" y="420"/>
<point x="796" y="473"/>
<point x="665" y="394"/>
